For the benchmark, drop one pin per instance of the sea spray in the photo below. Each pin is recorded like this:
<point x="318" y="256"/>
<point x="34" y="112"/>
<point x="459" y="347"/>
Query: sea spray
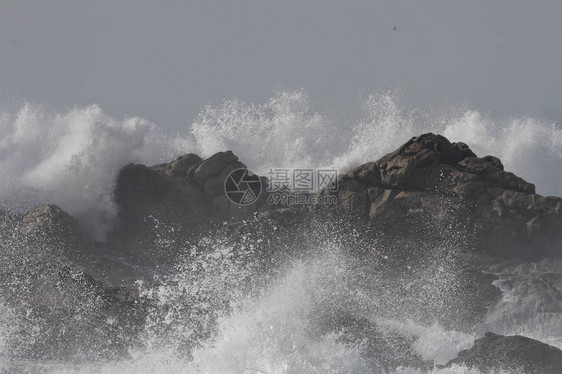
<point x="72" y="158"/>
<point x="215" y="311"/>
<point x="210" y="313"/>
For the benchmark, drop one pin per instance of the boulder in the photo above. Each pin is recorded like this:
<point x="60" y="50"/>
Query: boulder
<point x="430" y="183"/>
<point x="48" y="217"/>
<point x="173" y="204"/>
<point x="212" y="167"/>
<point x="142" y="191"/>
<point x="516" y="353"/>
<point x="50" y="231"/>
<point x="180" y="166"/>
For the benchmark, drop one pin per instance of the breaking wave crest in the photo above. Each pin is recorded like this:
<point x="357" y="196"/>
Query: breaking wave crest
<point x="71" y="158"/>
<point x="214" y="324"/>
<point x="287" y="132"/>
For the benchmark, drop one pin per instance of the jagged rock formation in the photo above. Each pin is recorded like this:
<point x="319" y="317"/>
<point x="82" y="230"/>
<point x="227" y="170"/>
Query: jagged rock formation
<point x="514" y="353"/>
<point x="50" y="221"/>
<point x="432" y="182"/>
<point x="186" y="195"/>
<point x="429" y="187"/>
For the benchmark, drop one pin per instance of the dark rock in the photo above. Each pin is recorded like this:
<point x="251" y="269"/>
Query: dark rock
<point x="174" y="203"/>
<point x="212" y="166"/>
<point x="49" y="217"/>
<point x="494" y="161"/>
<point x="53" y="232"/>
<point x="142" y="191"/>
<point x="514" y="353"/>
<point x="430" y="183"/>
<point x="427" y="184"/>
<point x="181" y="165"/>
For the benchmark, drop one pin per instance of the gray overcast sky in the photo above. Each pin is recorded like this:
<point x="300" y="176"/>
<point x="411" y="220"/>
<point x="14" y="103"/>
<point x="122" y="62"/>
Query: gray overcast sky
<point x="502" y="56"/>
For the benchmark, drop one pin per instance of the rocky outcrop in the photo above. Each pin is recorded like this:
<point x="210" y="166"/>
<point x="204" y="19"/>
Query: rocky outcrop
<point x="429" y="187"/>
<point x="514" y="353"/>
<point x="51" y="232"/>
<point x="52" y="220"/>
<point x="180" y="166"/>
<point x="430" y="183"/>
<point x="186" y="197"/>
<point x="45" y="281"/>
<point x="210" y="175"/>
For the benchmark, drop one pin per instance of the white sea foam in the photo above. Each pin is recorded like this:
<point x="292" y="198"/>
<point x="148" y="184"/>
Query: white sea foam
<point x="7" y="327"/>
<point x="71" y="158"/>
<point x="287" y="132"/>
<point x="530" y="305"/>
<point x="270" y="333"/>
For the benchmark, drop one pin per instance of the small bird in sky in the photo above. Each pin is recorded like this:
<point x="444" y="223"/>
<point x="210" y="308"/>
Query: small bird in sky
<point x="394" y="28"/>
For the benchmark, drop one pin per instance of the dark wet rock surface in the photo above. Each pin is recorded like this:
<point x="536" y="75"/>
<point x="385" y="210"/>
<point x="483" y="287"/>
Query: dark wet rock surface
<point x="430" y="180"/>
<point x="516" y="354"/>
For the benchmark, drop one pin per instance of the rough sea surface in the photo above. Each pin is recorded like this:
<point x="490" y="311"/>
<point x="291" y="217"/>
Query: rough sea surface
<point x="221" y="320"/>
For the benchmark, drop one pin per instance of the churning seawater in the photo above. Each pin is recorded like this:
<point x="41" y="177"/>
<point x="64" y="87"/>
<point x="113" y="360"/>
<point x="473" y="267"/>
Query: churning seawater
<point x="71" y="159"/>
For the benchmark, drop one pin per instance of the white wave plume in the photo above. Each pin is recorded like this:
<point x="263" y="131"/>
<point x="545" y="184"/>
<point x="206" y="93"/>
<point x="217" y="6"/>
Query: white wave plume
<point x="288" y="132"/>
<point x="72" y="158"/>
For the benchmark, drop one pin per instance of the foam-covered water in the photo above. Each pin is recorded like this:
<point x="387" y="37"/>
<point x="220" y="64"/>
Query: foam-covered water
<point x="531" y="304"/>
<point x="268" y="331"/>
<point x="71" y="159"/>
<point x="221" y="320"/>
